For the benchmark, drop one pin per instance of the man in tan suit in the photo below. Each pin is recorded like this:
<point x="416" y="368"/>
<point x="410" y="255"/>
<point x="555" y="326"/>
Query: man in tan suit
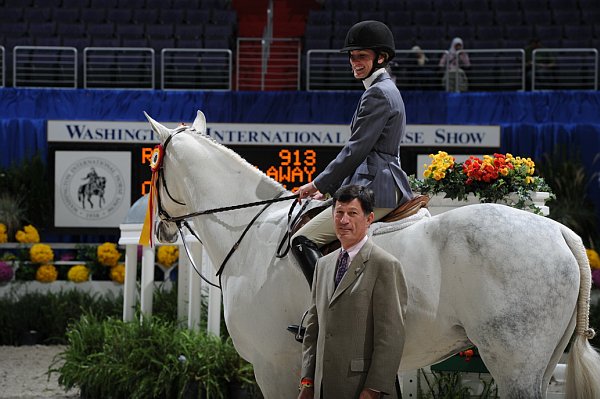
<point x="355" y="325"/>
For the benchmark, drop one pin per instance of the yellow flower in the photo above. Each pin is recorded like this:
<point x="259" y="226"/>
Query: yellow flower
<point x="41" y="253"/>
<point x="117" y="273"/>
<point x="440" y="163"/>
<point x="438" y="175"/>
<point x="167" y="255"/>
<point x="108" y="255"/>
<point x="594" y="258"/>
<point x="3" y="233"/>
<point x="46" y="274"/>
<point x="78" y="274"/>
<point x="29" y="234"/>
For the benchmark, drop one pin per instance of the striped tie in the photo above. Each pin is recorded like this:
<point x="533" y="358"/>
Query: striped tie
<point x="342" y="267"/>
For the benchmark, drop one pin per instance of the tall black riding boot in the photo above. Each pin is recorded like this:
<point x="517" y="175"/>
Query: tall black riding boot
<point x="306" y="253"/>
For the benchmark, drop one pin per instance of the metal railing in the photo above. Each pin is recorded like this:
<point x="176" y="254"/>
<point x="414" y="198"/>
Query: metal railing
<point x="493" y="69"/>
<point x="44" y="67"/>
<point x="196" y="69"/>
<point x="414" y="73"/>
<point x="490" y="70"/>
<point x="212" y="69"/>
<point x="268" y="64"/>
<point x="122" y="68"/>
<point x="329" y="70"/>
<point x="557" y="69"/>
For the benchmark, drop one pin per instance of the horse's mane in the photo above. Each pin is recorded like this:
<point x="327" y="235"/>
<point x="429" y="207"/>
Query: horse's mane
<point x="237" y="158"/>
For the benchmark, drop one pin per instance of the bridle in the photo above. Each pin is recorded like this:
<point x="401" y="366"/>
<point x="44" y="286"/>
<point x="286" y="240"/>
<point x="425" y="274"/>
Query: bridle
<point x="182" y="220"/>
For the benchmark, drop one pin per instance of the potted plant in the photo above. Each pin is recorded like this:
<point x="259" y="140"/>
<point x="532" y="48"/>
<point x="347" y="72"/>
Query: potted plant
<point x="500" y="178"/>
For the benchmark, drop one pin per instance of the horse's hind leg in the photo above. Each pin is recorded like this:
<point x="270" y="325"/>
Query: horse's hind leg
<point x="558" y="352"/>
<point x="515" y="380"/>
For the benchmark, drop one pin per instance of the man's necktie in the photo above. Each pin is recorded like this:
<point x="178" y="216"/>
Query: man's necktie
<point x="342" y="267"/>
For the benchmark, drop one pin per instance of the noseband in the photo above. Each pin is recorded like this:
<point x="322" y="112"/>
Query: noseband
<point x="182" y="220"/>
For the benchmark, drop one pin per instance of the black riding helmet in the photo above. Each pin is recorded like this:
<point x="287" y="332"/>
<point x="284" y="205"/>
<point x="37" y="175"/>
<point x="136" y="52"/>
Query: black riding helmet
<point x="372" y="35"/>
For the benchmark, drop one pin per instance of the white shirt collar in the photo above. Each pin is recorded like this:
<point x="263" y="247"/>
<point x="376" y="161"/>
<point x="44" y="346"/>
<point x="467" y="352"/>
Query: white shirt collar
<point x="369" y="81"/>
<point x="352" y="251"/>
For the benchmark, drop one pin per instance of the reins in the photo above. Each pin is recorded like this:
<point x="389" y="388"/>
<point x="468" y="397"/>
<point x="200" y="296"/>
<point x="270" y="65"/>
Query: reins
<point x="182" y="219"/>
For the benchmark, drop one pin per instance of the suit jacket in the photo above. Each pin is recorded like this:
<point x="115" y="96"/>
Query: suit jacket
<point x="371" y="157"/>
<point x="355" y="333"/>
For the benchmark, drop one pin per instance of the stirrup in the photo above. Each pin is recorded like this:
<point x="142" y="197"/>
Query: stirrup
<point x="298" y="330"/>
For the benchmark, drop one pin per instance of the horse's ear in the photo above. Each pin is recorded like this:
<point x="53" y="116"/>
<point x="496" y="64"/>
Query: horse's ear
<point x="161" y="130"/>
<point x="200" y="122"/>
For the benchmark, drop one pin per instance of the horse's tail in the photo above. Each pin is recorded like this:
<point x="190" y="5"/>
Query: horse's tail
<point x="583" y="363"/>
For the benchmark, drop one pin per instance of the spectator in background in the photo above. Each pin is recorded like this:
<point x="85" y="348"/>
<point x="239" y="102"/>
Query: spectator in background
<point x="454" y="65"/>
<point x="420" y="71"/>
<point x="544" y="65"/>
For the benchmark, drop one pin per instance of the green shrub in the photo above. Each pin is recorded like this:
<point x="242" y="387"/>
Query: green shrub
<point x="29" y="180"/>
<point x="564" y="171"/>
<point x="49" y="314"/>
<point x="148" y="359"/>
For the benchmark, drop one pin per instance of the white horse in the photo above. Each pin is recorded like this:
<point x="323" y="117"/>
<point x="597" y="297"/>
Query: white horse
<point x="512" y="283"/>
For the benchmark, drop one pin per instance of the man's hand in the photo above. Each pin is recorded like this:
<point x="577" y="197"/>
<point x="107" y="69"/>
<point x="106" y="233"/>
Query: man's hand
<point x="306" y="393"/>
<point x="369" y="394"/>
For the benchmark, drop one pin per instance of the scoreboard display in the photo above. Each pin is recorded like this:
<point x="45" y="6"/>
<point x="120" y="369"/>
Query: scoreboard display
<point x="292" y="166"/>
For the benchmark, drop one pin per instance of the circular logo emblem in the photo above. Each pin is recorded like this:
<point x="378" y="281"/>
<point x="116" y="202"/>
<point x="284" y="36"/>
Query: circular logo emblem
<point x="92" y="188"/>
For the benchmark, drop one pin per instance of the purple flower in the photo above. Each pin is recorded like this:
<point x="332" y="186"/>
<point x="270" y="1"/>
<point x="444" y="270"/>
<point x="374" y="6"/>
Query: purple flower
<point x="596" y="277"/>
<point x="6" y="272"/>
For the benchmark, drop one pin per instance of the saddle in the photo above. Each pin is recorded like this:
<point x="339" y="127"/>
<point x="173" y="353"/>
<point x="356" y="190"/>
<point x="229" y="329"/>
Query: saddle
<point x="402" y="211"/>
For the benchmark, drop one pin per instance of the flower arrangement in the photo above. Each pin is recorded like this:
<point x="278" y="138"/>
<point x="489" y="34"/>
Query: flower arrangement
<point x="117" y="273"/>
<point x="3" y="233"/>
<point x="78" y="274"/>
<point x="6" y="272"/>
<point x="108" y="254"/>
<point x="46" y="274"/>
<point x="167" y="255"/>
<point x="29" y="234"/>
<point x="491" y="179"/>
<point x="41" y="253"/>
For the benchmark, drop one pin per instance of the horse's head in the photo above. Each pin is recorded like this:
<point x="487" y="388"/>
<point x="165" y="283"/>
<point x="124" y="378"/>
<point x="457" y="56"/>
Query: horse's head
<point x="170" y="197"/>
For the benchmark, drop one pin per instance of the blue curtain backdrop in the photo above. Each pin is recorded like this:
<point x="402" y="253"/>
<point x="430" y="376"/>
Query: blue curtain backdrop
<point x="532" y="122"/>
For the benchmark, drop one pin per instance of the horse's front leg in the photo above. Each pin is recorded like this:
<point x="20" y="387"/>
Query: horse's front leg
<point x="89" y="200"/>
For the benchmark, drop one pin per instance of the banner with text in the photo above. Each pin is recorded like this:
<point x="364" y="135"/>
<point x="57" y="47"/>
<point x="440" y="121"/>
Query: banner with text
<point x="272" y="134"/>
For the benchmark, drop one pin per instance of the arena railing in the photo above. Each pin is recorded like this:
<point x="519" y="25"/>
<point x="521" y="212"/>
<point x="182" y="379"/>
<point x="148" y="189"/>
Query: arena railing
<point x="118" y="68"/>
<point x="196" y="69"/>
<point x="491" y="69"/>
<point x="412" y="74"/>
<point x="329" y="70"/>
<point x="265" y="64"/>
<point x="568" y="68"/>
<point x="35" y="66"/>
